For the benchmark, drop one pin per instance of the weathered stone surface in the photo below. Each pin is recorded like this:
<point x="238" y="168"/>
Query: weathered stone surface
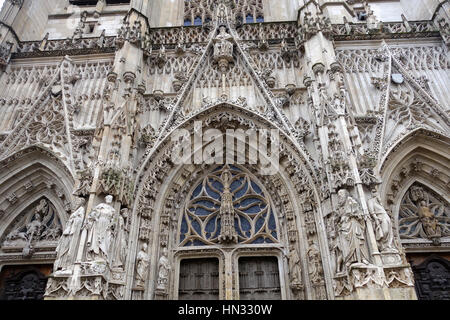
<point x="97" y="102"/>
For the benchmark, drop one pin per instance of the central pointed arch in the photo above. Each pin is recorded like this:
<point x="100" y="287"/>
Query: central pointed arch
<point x="161" y="185"/>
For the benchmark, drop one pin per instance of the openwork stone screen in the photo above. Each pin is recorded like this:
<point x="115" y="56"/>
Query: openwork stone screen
<point x="199" y="12"/>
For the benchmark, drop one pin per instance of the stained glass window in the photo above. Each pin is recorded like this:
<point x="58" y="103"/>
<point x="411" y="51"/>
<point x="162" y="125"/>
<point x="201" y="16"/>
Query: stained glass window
<point x="254" y="219"/>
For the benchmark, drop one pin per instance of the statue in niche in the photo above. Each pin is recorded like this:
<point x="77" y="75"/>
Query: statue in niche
<point x="429" y="222"/>
<point x="100" y="227"/>
<point x="383" y="224"/>
<point x="67" y="246"/>
<point x="295" y="270"/>
<point x="352" y="231"/>
<point x="336" y="249"/>
<point x="223" y="48"/>
<point x="142" y="262"/>
<point x="163" y="271"/>
<point x="121" y="235"/>
<point x="315" y="264"/>
<point x="227" y="230"/>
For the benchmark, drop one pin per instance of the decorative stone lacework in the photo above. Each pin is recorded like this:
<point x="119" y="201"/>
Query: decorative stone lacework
<point x="199" y="12"/>
<point x="173" y="65"/>
<point x="418" y="199"/>
<point x="284" y="30"/>
<point x="248" y="11"/>
<point x="359" y="60"/>
<point x="172" y="36"/>
<point x="422" y="58"/>
<point x="361" y="31"/>
<point x="274" y="60"/>
<point x="19" y="89"/>
<point x="236" y="76"/>
<point x="51" y="47"/>
<point x="47" y="127"/>
<point x="407" y="110"/>
<point x="254" y="220"/>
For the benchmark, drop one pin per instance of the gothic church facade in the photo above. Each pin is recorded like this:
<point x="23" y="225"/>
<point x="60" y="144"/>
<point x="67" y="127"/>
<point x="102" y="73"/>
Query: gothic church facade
<point x="94" y="205"/>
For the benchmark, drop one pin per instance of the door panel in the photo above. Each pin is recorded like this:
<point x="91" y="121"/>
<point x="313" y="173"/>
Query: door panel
<point x="432" y="279"/>
<point x="259" y="278"/>
<point x="199" y="279"/>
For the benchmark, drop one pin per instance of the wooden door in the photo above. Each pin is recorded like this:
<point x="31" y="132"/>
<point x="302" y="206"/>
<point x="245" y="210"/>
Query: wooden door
<point x="259" y="278"/>
<point x="199" y="279"/>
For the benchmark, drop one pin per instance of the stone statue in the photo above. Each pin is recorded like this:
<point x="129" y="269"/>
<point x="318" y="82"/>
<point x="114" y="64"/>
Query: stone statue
<point x="315" y="264"/>
<point x="163" y="271"/>
<point x="295" y="269"/>
<point x="121" y="235"/>
<point x="352" y="230"/>
<point x="142" y="262"/>
<point x="338" y="255"/>
<point x="383" y="223"/>
<point x="99" y="225"/>
<point x="223" y="48"/>
<point x="67" y="245"/>
<point x="35" y="227"/>
<point x="429" y="222"/>
<point x="227" y="232"/>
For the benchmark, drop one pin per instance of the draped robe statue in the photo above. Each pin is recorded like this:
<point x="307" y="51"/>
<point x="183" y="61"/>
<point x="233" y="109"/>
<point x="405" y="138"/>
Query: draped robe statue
<point x="100" y="226"/>
<point x="384" y="232"/>
<point x="352" y="230"/>
<point x="294" y="267"/>
<point x="142" y="261"/>
<point x="120" y="249"/>
<point x="163" y="271"/>
<point x="67" y="245"/>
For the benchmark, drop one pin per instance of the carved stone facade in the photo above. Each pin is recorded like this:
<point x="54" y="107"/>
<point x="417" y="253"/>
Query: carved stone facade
<point x="94" y="97"/>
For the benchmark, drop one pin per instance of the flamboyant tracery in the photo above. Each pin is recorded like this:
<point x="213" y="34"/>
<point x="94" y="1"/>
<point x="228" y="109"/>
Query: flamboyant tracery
<point x="89" y="184"/>
<point x="251" y="213"/>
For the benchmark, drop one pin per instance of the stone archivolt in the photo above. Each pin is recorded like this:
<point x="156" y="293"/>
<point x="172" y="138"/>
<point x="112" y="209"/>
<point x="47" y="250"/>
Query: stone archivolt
<point x="105" y="124"/>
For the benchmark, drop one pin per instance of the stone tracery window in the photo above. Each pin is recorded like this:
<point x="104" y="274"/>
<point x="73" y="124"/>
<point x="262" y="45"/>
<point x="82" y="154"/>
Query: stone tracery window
<point x="199" y="12"/>
<point x="249" y="11"/>
<point x="423" y="214"/>
<point x="253" y="215"/>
